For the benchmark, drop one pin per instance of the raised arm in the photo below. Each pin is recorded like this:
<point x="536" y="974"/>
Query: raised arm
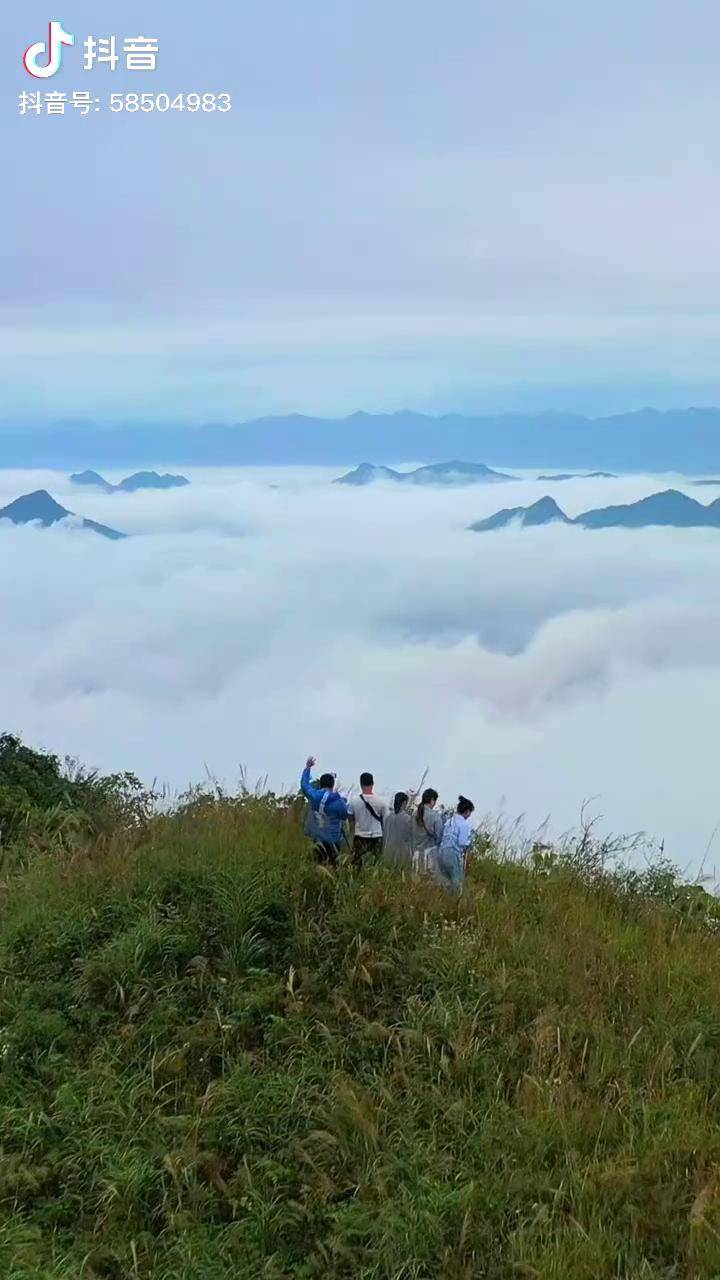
<point x="312" y="793"/>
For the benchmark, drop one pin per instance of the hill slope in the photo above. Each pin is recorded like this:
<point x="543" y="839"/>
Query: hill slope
<point x="220" y="1061"/>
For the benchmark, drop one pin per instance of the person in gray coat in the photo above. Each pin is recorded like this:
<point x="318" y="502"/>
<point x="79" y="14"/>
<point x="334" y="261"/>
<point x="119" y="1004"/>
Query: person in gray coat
<point x="399" y="835"/>
<point x="428" y="833"/>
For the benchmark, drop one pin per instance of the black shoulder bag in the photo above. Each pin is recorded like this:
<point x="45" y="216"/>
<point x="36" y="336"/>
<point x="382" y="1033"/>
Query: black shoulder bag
<point x="372" y="812"/>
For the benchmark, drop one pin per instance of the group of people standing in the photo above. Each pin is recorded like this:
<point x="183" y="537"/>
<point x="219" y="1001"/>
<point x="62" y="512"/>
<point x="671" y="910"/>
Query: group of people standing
<point x="416" y="839"/>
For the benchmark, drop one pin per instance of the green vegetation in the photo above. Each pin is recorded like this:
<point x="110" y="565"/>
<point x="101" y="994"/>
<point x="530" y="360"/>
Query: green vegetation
<point x="217" y="1060"/>
<point x="41" y="799"/>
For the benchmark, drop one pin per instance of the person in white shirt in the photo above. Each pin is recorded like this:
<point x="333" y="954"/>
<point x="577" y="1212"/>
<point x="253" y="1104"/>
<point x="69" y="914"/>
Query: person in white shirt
<point x="452" y="854"/>
<point x="369" y="813"/>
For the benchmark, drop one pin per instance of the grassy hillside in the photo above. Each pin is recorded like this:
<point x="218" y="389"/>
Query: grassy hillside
<point x="220" y="1061"/>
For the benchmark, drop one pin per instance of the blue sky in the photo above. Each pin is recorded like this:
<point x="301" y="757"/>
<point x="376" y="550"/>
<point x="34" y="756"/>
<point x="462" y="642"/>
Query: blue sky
<point x="470" y="206"/>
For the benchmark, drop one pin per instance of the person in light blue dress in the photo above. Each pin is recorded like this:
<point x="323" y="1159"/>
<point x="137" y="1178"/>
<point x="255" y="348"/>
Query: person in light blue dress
<point x="451" y="856"/>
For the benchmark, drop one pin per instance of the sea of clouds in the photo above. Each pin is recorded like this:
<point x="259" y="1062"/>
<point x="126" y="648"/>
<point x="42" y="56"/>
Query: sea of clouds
<point x="261" y="615"/>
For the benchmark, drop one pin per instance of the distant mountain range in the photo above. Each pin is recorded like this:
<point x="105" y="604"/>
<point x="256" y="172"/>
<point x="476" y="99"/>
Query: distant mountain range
<point x="442" y="474"/>
<point x="40" y="508"/>
<point x="584" y="475"/>
<point x="684" y="440"/>
<point x="672" y="509"/>
<point x="139" y="480"/>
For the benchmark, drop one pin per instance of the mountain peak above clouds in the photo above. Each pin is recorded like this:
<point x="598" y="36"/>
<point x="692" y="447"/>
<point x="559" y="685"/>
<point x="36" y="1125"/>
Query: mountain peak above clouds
<point x="670" y="509"/>
<point x="41" y="508"/>
<point x="434" y="473"/>
<point x="92" y="480"/>
<point x="579" y="475"/>
<point x="139" y="480"/>
<point x="544" y="511"/>
<point x="151" y="480"/>
<point x="368" y="473"/>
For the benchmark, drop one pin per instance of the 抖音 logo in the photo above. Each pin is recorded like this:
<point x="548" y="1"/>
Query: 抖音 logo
<point x="50" y="52"/>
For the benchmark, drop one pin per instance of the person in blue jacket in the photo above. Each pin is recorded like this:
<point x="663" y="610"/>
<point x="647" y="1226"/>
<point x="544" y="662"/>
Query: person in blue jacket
<point x="328" y="811"/>
<point x="452" y="854"/>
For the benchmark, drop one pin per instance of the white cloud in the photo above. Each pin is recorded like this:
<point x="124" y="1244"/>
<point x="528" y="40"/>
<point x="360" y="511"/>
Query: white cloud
<point x="243" y="624"/>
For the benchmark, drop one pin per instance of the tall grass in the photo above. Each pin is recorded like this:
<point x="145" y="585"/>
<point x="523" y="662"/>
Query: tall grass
<point x="217" y="1060"/>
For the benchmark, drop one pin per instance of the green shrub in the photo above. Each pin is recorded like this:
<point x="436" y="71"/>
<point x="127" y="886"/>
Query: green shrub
<point x="40" y="797"/>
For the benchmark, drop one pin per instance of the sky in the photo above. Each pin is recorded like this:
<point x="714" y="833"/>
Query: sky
<point x="472" y="207"/>
<point x="257" y="617"/>
<point x="465" y="207"/>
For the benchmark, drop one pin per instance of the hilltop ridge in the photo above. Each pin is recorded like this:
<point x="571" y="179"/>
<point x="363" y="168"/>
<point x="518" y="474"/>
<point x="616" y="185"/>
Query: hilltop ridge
<point x="220" y="1060"/>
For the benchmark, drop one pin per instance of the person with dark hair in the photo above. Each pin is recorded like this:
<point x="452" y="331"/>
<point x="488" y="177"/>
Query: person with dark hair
<point x="369" y="813"/>
<point x="429" y="834"/>
<point x="399" y="835"/>
<point x="328" y="811"/>
<point x="452" y="854"/>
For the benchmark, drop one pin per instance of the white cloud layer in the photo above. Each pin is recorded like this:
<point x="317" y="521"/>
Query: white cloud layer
<point x="245" y="625"/>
